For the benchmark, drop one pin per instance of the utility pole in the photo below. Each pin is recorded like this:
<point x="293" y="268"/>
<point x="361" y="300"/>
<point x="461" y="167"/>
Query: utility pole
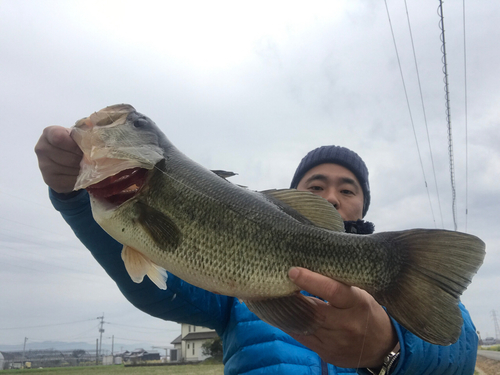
<point x="101" y="330"/>
<point x="479" y="337"/>
<point x="495" y="322"/>
<point x="24" y="349"/>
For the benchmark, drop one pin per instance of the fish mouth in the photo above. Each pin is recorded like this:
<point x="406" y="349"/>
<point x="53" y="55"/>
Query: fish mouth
<point x="121" y="187"/>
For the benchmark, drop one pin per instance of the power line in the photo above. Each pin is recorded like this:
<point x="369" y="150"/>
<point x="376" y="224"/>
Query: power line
<point x="20" y="257"/>
<point x="448" y="116"/>
<point x="46" y="244"/>
<point x="65" y="337"/>
<point x="30" y="226"/>
<point x="495" y="322"/>
<point x="425" y="116"/>
<point x="46" y="325"/>
<point x="409" y="111"/>
<point x="135" y="340"/>
<point x="153" y="328"/>
<point x="26" y="200"/>
<point x="466" y="138"/>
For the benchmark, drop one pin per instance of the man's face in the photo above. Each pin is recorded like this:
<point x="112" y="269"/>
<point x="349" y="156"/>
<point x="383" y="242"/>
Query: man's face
<point x="339" y="186"/>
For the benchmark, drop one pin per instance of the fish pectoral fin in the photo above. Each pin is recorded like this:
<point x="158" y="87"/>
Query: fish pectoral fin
<point x="315" y="209"/>
<point x="159" y="227"/>
<point x="138" y="265"/>
<point x="295" y="313"/>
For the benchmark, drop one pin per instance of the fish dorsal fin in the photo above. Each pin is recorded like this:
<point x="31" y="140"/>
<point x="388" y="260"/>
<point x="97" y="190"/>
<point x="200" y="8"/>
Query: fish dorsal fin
<point x="138" y="265"/>
<point x="316" y="209"/>
<point x="226" y="174"/>
<point x="223" y="174"/>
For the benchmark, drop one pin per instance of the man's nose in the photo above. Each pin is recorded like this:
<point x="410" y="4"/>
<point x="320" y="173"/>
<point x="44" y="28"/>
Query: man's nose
<point x="331" y="197"/>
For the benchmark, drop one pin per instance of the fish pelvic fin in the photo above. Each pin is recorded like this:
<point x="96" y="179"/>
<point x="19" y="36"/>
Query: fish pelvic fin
<point x="138" y="265"/>
<point x="437" y="267"/>
<point x="315" y="209"/>
<point x="295" y="313"/>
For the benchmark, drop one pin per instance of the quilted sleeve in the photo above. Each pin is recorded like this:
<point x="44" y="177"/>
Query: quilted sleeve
<point x="421" y="358"/>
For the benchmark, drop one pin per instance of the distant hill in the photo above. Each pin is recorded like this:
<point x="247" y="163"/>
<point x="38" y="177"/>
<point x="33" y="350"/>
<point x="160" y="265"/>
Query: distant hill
<point x="64" y="346"/>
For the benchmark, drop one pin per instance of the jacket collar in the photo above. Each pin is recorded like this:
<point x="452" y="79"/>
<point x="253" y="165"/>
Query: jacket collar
<point x="359" y="227"/>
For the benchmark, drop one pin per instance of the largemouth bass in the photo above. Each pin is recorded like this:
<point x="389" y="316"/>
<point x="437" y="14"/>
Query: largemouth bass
<point x="172" y="214"/>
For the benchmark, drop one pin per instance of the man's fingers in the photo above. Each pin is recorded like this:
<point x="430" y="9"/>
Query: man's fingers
<point x="54" y="168"/>
<point x="337" y="294"/>
<point x="56" y="146"/>
<point x="66" y="159"/>
<point x="59" y="137"/>
<point x="61" y="184"/>
<point x="58" y="158"/>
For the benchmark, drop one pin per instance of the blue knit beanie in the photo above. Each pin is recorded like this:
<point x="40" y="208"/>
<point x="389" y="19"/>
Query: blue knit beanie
<point x="336" y="155"/>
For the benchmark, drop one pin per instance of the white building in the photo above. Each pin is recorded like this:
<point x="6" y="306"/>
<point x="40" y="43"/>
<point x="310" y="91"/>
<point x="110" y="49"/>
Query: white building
<point x="188" y="344"/>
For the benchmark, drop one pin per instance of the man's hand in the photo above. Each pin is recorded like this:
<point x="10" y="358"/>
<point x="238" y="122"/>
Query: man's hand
<point x="58" y="158"/>
<point x="356" y="332"/>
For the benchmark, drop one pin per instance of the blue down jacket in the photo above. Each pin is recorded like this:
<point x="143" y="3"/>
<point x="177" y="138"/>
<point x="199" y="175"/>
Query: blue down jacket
<point x="251" y="347"/>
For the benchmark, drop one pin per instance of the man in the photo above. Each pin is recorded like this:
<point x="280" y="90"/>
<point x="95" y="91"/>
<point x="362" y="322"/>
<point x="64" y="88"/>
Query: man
<point x="356" y="332"/>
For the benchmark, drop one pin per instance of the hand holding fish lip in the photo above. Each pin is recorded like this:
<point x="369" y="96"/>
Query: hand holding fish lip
<point x="356" y="331"/>
<point x="58" y="158"/>
<point x="110" y="145"/>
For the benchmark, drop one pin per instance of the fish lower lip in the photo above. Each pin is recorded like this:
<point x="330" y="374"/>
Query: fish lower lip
<point x="121" y="187"/>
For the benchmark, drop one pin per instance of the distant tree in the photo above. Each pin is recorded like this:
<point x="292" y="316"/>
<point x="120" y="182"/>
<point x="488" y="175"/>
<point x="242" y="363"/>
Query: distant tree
<point x="213" y="348"/>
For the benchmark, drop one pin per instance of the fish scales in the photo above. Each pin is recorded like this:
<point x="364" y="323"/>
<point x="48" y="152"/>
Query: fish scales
<point x="234" y="236"/>
<point x="172" y="214"/>
<point x="251" y="227"/>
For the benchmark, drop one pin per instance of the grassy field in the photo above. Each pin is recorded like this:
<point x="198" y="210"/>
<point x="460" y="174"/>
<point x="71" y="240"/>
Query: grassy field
<point x="119" y="369"/>
<point x="492" y="347"/>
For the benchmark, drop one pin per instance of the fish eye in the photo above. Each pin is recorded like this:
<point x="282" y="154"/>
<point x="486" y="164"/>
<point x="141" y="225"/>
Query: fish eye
<point x="140" y="123"/>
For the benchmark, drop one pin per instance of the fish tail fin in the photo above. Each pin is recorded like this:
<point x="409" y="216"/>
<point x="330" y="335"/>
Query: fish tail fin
<point x="436" y="268"/>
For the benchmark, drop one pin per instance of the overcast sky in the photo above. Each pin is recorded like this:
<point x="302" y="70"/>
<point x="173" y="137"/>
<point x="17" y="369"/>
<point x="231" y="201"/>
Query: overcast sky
<point x="249" y="87"/>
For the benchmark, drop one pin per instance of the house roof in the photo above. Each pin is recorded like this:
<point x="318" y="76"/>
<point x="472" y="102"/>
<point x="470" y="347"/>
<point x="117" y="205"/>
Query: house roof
<point x="177" y="340"/>
<point x="200" y="336"/>
<point x="139" y="350"/>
